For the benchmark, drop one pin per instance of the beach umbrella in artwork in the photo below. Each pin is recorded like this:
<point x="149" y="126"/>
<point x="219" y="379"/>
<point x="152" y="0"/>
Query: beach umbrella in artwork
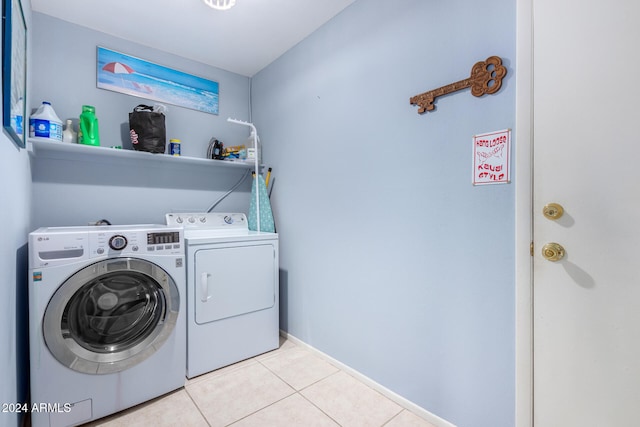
<point x="118" y="68"/>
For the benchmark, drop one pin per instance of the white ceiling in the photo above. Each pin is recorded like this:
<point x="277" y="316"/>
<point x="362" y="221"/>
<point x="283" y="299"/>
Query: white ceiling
<point x="243" y="40"/>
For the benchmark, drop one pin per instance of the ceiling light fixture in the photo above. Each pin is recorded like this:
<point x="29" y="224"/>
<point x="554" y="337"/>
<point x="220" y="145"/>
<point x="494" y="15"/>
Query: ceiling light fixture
<point x="220" y="4"/>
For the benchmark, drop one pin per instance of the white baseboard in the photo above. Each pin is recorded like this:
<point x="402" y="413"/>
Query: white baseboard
<point x="405" y="403"/>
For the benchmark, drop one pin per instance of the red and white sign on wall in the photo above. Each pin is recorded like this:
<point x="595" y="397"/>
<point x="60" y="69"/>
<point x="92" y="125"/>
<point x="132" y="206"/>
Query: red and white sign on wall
<point x="492" y="158"/>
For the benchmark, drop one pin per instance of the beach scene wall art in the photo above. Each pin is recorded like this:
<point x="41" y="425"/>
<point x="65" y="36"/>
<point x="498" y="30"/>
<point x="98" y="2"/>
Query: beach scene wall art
<point x="136" y="77"/>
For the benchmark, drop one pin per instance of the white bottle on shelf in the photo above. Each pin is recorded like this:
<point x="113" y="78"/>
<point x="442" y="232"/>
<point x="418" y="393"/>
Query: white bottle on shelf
<point x="68" y="135"/>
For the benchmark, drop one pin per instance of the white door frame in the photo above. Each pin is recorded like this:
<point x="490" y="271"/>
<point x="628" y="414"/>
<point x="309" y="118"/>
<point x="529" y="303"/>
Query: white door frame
<point x="524" y="214"/>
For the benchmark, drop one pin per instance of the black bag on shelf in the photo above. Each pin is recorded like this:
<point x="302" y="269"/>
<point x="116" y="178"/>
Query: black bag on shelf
<point x="147" y="130"/>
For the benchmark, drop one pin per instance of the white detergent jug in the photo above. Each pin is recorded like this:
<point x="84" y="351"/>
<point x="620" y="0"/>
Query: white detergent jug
<point x="44" y="123"/>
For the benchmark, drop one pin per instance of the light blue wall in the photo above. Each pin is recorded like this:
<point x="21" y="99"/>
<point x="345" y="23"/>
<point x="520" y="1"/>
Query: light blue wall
<point x="15" y="199"/>
<point x="391" y="261"/>
<point x="72" y="192"/>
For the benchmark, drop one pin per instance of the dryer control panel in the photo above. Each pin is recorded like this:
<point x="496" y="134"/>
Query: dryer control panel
<point x="208" y="220"/>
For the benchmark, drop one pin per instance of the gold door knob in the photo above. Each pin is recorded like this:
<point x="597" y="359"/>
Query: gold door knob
<point x="552" y="211"/>
<point x="553" y="252"/>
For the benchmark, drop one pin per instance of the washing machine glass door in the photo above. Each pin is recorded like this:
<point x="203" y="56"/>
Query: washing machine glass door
<point x="111" y="315"/>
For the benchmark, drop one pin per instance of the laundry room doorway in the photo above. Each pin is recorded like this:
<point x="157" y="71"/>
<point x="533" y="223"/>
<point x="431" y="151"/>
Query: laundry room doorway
<point x="585" y="292"/>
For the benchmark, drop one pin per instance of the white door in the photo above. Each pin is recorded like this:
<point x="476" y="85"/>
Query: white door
<point x="586" y="146"/>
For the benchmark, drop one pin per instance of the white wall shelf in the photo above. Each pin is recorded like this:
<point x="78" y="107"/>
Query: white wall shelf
<point x="79" y="152"/>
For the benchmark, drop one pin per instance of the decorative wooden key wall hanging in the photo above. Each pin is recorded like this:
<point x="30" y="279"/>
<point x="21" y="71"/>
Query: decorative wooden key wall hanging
<point x="486" y="77"/>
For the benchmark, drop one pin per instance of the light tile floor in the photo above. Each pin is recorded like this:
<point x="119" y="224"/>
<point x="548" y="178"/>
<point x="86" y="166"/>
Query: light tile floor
<point x="288" y="387"/>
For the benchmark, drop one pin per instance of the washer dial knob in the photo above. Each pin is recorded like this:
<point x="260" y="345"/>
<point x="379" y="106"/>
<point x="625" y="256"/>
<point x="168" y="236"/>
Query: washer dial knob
<point x="118" y="242"/>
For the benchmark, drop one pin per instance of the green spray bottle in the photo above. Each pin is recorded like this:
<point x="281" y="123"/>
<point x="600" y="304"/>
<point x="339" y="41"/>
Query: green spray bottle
<point x="88" y="126"/>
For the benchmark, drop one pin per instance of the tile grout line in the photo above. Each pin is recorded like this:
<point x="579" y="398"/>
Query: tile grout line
<point x="394" y="417"/>
<point x="263" y="408"/>
<point x="254" y="359"/>
<point x="295" y="390"/>
<point x="298" y="391"/>
<point x="197" y="407"/>
<point x="290" y="385"/>
<point x="375" y="391"/>
<point x="319" y="408"/>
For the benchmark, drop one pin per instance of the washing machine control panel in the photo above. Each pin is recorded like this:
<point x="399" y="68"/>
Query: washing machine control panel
<point x="59" y="245"/>
<point x="131" y="242"/>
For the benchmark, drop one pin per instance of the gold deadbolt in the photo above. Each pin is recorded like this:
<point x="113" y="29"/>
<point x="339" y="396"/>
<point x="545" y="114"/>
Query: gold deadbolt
<point x="553" y="252"/>
<point x="553" y="211"/>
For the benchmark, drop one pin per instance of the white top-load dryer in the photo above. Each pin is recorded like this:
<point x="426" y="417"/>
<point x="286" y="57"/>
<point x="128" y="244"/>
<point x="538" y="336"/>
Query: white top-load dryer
<point x="232" y="290"/>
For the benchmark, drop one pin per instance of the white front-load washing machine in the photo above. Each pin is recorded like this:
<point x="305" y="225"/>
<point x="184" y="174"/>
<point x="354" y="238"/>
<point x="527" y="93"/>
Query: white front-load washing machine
<point x="106" y="319"/>
<point x="232" y="290"/>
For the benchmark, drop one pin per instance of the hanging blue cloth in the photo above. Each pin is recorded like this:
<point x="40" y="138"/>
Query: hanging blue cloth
<point x="266" y="216"/>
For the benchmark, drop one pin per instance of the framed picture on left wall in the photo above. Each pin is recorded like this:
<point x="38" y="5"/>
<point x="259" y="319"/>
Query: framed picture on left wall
<point x="14" y="71"/>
